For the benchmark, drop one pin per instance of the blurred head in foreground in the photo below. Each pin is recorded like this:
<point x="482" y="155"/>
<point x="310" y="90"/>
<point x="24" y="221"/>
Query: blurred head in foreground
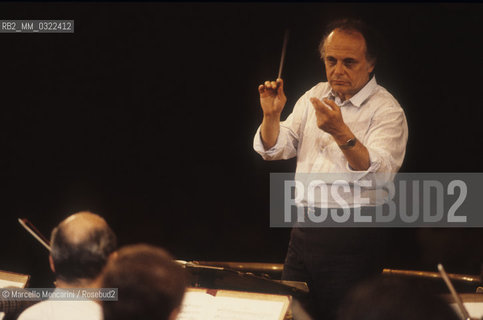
<point x="81" y="245"/>
<point x="151" y="285"/>
<point x="392" y="299"/>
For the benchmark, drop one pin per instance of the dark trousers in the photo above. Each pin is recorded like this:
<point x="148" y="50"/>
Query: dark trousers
<point x="331" y="261"/>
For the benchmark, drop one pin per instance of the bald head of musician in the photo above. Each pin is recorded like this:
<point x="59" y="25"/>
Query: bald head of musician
<point x="81" y="245"/>
<point x="151" y="285"/>
<point x="80" y="248"/>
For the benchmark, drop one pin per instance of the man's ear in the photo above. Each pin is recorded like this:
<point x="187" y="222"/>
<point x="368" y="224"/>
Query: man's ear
<point x="372" y="65"/>
<point x="51" y="263"/>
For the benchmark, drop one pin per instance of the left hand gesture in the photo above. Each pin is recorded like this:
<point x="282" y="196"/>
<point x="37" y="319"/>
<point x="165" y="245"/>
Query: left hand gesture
<point x="329" y="116"/>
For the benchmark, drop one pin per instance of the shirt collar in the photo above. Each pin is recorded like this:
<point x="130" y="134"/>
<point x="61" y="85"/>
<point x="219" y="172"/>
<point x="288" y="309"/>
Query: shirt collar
<point x="359" y="97"/>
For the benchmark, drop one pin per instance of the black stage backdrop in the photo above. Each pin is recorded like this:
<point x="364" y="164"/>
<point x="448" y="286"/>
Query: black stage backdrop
<point x="146" y="116"/>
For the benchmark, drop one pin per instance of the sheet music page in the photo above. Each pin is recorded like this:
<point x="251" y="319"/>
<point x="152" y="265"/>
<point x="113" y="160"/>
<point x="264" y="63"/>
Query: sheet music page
<point x="2" y="315"/>
<point x="203" y="306"/>
<point x="475" y="309"/>
<point x="7" y="283"/>
<point x="196" y="306"/>
<point x="246" y="309"/>
<point x="11" y="279"/>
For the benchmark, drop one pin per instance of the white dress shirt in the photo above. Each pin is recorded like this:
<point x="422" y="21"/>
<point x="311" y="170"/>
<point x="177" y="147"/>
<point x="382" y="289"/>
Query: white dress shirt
<point x="374" y="117"/>
<point x="63" y="310"/>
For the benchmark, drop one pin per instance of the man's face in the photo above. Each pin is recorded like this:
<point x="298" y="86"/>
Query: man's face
<point x="345" y="62"/>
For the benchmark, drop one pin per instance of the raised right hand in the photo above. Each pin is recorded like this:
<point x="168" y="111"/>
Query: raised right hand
<point x="272" y="97"/>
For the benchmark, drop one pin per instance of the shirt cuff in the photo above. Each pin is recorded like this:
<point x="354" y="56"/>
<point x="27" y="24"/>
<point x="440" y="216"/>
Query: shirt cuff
<point x="258" y="145"/>
<point x="378" y="173"/>
<point x="375" y="164"/>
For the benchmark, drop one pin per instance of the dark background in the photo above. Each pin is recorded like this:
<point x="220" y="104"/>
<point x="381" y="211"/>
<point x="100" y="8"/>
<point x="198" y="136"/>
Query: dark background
<point x="146" y="115"/>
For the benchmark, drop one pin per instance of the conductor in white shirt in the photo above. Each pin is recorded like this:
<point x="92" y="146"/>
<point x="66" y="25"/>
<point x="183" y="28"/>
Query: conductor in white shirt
<point x="81" y="245"/>
<point x="348" y="125"/>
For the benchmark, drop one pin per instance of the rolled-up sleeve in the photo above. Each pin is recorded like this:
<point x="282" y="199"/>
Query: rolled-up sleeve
<point x="288" y="138"/>
<point x="385" y="141"/>
<point x="284" y="148"/>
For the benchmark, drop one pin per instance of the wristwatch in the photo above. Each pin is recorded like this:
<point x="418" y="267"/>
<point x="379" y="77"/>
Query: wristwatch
<point x="349" y="144"/>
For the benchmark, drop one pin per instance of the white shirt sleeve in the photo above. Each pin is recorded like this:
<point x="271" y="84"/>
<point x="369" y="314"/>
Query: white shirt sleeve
<point x="289" y="136"/>
<point x="386" y="142"/>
